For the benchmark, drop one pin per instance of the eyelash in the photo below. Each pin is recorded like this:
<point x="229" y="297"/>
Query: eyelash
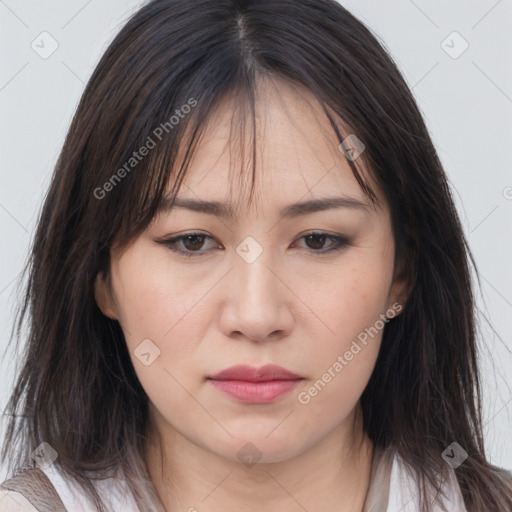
<point x="340" y="242"/>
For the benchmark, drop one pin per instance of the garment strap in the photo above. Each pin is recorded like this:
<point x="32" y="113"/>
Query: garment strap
<point x="35" y="486"/>
<point x="377" y="497"/>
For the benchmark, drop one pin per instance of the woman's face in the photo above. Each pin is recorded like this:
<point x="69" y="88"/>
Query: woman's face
<point x="256" y="289"/>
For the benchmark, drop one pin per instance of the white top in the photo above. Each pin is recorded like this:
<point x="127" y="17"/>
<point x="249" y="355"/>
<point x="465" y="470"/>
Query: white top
<point x="402" y="496"/>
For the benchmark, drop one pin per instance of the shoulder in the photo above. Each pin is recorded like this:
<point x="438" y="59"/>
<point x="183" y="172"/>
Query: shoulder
<point x="112" y="490"/>
<point x="48" y="489"/>
<point x="13" y="501"/>
<point x="403" y="490"/>
<point x="29" y="491"/>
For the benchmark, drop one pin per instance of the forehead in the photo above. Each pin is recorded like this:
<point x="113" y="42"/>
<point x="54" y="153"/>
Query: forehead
<point x="289" y="140"/>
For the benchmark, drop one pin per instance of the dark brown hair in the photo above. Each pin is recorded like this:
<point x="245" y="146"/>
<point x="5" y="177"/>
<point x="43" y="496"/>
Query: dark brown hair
<point x="77" y="389"/>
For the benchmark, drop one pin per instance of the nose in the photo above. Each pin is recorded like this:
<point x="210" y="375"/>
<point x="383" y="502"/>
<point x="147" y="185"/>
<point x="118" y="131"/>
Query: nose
<point x="257" y="303"/>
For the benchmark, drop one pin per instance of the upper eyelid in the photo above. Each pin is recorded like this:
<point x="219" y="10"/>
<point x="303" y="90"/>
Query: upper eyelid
<point x="197" y="233"/>
<point x="339" y="239"/>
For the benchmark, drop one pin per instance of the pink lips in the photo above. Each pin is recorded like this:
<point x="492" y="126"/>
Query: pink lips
<point x="255" y="385"/>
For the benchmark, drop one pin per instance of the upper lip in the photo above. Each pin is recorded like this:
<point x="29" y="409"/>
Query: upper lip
<point x="252" y="374"/>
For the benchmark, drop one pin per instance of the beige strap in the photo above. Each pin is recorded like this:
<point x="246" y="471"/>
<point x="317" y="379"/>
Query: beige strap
<point x="378" y="491"/>
<point x="35" y="486"/>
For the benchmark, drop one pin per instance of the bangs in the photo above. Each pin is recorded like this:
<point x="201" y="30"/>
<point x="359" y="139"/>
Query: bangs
<point x="173" y="142"/>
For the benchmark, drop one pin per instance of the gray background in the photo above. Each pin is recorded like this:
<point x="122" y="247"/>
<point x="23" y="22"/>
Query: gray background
<point x="467" y="102"/>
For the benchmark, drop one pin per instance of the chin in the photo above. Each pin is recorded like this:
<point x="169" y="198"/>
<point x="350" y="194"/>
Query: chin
<point x="259" y="448"/>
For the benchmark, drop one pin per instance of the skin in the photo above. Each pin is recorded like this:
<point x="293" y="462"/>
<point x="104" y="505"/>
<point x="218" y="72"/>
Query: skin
<point x="292" y="306"/>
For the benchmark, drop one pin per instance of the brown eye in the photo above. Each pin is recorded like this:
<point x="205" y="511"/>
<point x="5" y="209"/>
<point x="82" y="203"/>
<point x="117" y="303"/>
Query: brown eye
<point x="193" y="242"/>
<point x="189" y="245"/>
<point x="315" y="241"/>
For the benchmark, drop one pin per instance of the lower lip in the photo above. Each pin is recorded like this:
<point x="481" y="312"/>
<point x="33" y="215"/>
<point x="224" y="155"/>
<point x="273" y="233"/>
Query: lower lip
<point x="255" y="392"/>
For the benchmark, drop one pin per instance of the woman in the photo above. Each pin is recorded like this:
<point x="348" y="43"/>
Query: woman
<point x="303" y="343"/>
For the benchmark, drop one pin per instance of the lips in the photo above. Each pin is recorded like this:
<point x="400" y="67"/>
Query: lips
<point x="251" y="385"/>
<point x="252" y="374"/>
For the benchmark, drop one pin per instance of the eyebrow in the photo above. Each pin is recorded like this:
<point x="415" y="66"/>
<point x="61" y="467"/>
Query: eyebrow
<point x="226" y="211"/>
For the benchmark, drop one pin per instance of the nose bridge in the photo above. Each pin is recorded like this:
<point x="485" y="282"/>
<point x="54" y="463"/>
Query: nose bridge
<point x="252" y="269"/>
<point x="257" y="306"/>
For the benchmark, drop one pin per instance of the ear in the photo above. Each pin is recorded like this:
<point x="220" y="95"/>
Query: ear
<point x="104" y="297"/>
<point x="401" y="288"/>
<point x="406" y="272"/>
<point x="398" y="295"/>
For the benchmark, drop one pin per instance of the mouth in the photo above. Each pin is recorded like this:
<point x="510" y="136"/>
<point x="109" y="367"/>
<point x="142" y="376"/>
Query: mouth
<point x="255" y="385"/>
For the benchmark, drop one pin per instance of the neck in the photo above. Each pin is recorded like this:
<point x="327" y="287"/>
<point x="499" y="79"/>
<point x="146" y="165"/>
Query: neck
<point x="332" y="475"/>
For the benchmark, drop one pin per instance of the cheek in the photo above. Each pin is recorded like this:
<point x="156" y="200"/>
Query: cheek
<point x="153" y="300"/>
<point x="341" y="368"/>
<point x="350" y="299"/>
<point x="349" y="304"/>
<point x="165" y="308"/>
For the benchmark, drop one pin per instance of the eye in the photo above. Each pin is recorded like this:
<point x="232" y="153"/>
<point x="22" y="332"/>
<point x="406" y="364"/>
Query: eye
<point x="316" y="240"/>
<point x="190" y="244"/>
